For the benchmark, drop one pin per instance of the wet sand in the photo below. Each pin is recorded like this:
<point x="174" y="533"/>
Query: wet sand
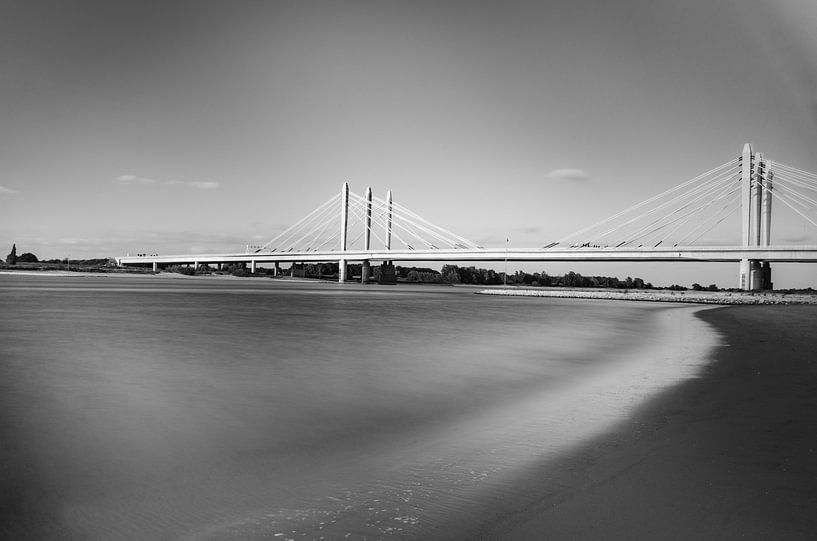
<point x="731" y="454"/>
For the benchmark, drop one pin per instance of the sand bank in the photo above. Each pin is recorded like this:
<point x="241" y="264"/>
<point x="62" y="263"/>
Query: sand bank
<point x="729" y="455"/>
<point x="697" y="297"/>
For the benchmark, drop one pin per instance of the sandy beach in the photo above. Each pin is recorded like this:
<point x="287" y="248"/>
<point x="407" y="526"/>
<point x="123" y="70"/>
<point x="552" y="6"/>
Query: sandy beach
<point x="731" y="454"/>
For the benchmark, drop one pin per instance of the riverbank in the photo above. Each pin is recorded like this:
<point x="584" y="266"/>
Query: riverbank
<point x="696" y="297"/>
<point x="731" y="454"/>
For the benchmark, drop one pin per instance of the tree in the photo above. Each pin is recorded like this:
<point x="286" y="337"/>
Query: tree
<point x="27" y="257"/>
<point x="11" y="259"/>
<point x="450" y="274"/>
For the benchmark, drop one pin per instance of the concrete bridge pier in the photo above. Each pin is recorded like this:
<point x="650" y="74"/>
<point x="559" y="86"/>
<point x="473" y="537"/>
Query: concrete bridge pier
<point x="277" y="269"/>
<point x="155" y="267"/>
<point x="387" y="274"/>
<point x="252" y="266"/>
<point x="751" y="274"/>
<point x="365" y="272"/>
<point x="342" y="271"/>
<point x="744" y="275"/>
<point x="756" y="273"/>
<point x="766" y="276"/>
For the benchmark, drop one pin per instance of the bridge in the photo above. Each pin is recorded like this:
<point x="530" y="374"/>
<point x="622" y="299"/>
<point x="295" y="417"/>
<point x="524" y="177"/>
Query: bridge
<point x="677" y="225"/>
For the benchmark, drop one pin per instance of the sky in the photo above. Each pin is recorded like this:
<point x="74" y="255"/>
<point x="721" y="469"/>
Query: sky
<point x="199" y="126"/>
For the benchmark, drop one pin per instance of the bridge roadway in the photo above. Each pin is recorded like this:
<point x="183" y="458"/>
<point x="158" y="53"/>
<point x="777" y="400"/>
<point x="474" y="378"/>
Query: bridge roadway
<point x="795" y="254"/>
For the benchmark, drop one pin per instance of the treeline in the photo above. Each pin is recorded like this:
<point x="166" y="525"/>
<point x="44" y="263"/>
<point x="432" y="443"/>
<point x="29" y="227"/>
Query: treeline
<point x="29" y="260"/>
<point x="454" y="274"/>
<point x="450" y="274"/>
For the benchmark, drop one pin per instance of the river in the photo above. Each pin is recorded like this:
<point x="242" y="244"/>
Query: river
<point x="216" y="408"/>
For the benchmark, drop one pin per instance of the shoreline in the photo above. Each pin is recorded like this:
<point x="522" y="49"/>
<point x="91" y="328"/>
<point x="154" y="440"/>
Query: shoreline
<point x="695" y="297"/>
<point x="730" y="454"/>
<point x="649" y="295"/>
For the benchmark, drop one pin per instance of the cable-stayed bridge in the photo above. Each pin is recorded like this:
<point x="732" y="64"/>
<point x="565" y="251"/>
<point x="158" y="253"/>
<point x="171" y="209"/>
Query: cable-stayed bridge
<point x="732" y="201"/>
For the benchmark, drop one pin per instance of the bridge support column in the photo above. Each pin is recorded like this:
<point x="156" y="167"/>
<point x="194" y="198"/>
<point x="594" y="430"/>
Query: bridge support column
<point x="365" y="272"/>
<point x="766" y="277"/>
<point x="342" y="271"/>
<point x="252" y="266"/>
<point x="155" y="267"/>
<point x="752" y="275"/>
<point x="387" y="274"/>
<point x="744" y="275"/>
<point x="756" y="273"/>
<point x="292" y="270"/>
<point x="277" y="269"/>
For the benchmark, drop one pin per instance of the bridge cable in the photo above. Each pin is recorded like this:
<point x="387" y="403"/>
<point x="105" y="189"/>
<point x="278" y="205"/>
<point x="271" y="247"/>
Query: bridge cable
<point x="704" y="191"/>
<point x="696" y="211"/>
<point x="712" y="171"/>
<point x="377" y="220"/>
<point x="295" y="228"/>
<point x="696" y="193"/>
<point x="300" y="223"/>
<point x="444" y="231"/>
<point x="780" y="198"/>
<point x="319" y="226"/>
<point x="683" y="219"/>
<point x="399" y="214"/>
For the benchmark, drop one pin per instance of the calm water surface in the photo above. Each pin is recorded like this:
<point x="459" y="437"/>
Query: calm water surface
<point x="173" y="408"/>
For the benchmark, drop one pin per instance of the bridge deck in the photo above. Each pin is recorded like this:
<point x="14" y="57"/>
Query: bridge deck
<point x="797" y="254"/>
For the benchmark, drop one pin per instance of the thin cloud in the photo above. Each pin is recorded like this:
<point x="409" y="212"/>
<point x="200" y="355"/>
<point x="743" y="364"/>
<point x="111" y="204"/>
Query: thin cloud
<point x="196" y="184"/>
<point x="3" y="189"/>
<point x="568" y="175"/>
<point x="203" y="184"/>
<point x="133" y="179"/>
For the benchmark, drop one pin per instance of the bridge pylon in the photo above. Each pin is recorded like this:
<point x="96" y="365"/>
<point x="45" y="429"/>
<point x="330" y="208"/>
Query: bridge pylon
<point x="366" y="269"/>
<point x="344" y="228"/>
<point x="756" y="213"/>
